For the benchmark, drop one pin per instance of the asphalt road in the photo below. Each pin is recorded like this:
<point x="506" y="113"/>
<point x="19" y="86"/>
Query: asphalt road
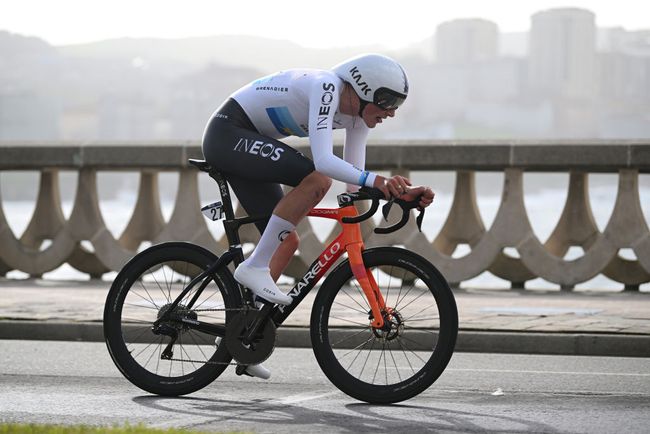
<point x="76" y="383"/>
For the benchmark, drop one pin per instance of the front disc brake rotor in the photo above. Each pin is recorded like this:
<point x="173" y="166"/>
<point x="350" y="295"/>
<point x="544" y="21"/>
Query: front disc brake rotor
<point x="262" y="344"/>
<point x="393" y="326"/>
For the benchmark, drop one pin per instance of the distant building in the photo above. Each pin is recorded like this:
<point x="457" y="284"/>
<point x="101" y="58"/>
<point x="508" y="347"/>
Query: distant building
<point x="624" y="84"/>
<point x="624" y="67"/>
<point x="563" y="53"/>
<point x="624" y="78"/>
<point x="499" y="80"/>
<point x="470" y="79"/>
<point x="465" y="41"/>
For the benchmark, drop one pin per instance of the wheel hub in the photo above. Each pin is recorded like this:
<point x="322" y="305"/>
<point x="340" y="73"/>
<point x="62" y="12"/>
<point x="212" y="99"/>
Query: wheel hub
<point x="174" y="320"/>
<point x="393" y="325"/>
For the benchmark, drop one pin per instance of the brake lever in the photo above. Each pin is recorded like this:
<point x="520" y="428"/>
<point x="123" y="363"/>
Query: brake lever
<point x="385" y="210"/>
<point x="419" y="219"/>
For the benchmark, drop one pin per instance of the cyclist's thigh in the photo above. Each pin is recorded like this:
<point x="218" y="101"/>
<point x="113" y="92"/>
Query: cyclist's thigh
<point x="249" y="155"/>
<point x="257" y="198"/>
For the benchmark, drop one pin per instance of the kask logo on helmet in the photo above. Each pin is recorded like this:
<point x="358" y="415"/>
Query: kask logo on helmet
<point x="357" y="77"/>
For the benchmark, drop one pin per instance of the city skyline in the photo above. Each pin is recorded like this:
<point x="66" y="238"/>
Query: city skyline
<point x="568" y="80"/>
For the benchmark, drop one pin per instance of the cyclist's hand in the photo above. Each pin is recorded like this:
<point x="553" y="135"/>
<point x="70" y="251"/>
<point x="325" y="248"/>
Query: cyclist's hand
<point x="425" y="194"/>
<point x="395" y="186"/>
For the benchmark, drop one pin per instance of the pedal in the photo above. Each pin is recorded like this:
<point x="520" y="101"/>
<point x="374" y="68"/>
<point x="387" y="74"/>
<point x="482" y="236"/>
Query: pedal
<point x="241" y="370"/>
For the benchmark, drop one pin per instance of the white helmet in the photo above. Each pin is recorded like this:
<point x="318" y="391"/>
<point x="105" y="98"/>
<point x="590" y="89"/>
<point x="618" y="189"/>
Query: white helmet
<point x="376" y="79"/>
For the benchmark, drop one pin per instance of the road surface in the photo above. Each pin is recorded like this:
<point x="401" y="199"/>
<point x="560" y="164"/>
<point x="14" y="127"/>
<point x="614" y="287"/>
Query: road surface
<point x="76" y="383"/>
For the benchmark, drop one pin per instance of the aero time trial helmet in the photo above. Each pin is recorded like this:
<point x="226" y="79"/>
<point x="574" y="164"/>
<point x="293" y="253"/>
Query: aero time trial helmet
<point x="376" y="79"/>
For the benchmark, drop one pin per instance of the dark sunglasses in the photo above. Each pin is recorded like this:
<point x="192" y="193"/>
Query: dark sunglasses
<point x="387" y="99"/>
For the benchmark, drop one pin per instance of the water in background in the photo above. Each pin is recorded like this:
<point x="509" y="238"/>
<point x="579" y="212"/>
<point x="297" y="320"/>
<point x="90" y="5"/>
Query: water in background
<point x="545" y="195"/>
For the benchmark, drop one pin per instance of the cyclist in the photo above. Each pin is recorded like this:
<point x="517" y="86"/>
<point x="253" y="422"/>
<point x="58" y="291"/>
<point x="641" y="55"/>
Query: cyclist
<point x="241" y="141"/>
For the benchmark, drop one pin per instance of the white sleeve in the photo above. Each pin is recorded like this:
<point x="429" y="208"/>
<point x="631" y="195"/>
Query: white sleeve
<point x="323" y="103"/>
<point x="354" y="151"/>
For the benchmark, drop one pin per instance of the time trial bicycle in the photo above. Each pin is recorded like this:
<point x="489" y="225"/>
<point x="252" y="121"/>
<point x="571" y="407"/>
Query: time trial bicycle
<point x="383" y="324"/>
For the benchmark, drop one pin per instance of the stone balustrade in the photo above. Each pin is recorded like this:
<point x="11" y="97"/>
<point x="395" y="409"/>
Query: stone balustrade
<point x="511" y="228"/>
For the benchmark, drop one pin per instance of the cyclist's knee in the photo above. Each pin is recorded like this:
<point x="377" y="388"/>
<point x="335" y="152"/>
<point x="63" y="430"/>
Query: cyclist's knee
<point x="319" y="184"/>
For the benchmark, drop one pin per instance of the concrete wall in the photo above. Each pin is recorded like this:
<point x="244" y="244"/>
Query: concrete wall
<point x="627" y="227"/>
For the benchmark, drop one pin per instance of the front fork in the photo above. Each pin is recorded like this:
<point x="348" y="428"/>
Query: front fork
<point x="368" y="284"/>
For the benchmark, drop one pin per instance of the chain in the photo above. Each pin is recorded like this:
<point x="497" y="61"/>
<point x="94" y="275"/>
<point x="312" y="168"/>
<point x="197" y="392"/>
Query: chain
<point x="205" y="362"/>
<point x="233" y="309"/>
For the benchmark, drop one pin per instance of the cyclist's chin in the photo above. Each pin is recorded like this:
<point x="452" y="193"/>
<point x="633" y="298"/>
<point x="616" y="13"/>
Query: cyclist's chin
<point x="370" y="123"/>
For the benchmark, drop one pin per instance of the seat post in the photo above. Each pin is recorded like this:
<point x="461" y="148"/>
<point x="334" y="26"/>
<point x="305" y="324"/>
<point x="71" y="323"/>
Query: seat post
<point x="225" y="194"/>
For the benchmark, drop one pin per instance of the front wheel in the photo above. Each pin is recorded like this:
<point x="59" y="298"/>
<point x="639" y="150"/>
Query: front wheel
<point x="405" y="357"/>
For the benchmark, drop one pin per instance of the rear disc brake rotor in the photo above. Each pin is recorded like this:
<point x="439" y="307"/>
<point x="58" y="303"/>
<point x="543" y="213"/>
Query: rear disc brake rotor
<point x="262" y="344"/>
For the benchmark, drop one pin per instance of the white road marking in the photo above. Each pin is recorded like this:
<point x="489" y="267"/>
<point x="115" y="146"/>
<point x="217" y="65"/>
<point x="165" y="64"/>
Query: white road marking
<point x="514" y="371"/>
<point x="294" y="399"/>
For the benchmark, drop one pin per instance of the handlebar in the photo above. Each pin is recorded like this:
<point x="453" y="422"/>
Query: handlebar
<point x="374" y="194"/>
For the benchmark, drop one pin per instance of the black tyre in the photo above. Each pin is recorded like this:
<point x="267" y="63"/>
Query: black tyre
<point x="392" y="364"/>
<point x="142" y="291"/>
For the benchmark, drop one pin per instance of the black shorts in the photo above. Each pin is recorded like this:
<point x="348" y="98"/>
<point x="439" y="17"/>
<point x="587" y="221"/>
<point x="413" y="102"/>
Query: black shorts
<point x="254" y="165"/>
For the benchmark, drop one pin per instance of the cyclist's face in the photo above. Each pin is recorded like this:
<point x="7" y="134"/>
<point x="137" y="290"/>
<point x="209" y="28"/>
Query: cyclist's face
<point x="373" y="115"/>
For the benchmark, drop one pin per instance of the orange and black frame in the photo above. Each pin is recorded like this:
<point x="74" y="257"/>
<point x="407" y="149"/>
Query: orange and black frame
<point x="349" y="241"/>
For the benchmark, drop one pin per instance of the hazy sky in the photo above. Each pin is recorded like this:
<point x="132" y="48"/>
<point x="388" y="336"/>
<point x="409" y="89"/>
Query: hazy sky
<point x="323" y="23"/>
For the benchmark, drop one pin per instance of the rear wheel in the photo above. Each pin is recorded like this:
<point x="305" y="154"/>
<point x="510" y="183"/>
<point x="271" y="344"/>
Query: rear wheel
<point x="413" y="348"/>
<point x="142" y="292"/>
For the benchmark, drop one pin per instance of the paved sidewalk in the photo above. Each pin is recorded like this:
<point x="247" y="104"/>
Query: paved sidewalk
<point x="590" y="323"/>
